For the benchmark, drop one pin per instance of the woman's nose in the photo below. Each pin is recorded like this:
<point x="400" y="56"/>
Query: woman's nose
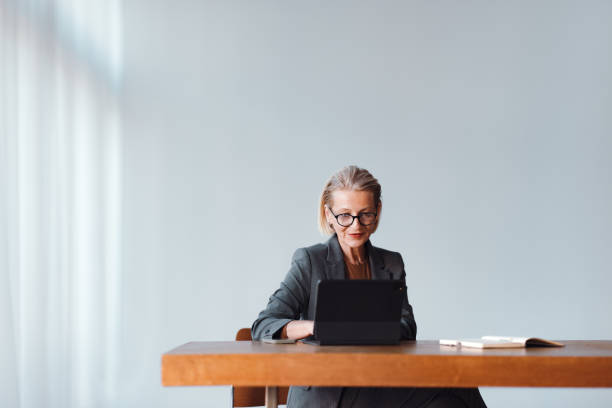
<point x="356" y="225"/>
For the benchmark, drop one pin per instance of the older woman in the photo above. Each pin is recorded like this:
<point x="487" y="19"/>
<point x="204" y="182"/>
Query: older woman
<point x="350" y="209"/>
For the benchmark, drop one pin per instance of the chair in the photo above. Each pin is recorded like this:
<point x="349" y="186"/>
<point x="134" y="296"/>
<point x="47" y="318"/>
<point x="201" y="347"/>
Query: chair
<point x="253" y="396"/>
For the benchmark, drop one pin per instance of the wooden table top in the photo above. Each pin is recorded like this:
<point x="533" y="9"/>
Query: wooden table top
<point x="417" y="363"/>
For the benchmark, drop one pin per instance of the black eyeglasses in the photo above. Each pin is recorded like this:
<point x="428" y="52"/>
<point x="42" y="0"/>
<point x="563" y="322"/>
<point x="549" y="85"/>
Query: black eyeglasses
<point x="346" y="220"/>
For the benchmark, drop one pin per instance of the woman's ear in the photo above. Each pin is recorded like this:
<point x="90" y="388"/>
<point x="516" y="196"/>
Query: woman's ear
<point x="329" y="217"/>
<point x="378" y="211"/>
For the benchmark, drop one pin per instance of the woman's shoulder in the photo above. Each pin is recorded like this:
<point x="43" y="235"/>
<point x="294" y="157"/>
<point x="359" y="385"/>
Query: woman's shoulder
<point x="386" y="252"/>
<point x="390" y="257"/>
<point x="313" y="251"/>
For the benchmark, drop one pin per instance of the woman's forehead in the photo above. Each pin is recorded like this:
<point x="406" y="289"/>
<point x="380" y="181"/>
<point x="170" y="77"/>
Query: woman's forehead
<point x="352" y="199"/>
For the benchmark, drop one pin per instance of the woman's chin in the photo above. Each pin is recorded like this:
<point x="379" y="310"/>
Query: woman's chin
<point x="356" y="241"/>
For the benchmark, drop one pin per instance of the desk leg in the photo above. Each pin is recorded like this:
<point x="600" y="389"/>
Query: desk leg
<point x="271" y="397"/>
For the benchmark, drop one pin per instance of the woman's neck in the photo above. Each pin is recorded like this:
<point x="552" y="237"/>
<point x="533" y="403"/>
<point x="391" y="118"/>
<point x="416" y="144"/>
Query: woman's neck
<point x="354" y="255"/>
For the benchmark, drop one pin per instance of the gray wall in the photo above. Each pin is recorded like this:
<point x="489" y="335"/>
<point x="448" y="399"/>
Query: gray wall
<point x="487" y="123"/>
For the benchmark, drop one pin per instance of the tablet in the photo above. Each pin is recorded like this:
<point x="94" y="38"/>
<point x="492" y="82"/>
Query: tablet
<point x="357" y="312"/>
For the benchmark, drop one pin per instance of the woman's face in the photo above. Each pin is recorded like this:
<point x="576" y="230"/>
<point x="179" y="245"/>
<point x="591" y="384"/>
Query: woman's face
<point x="353" y="203"/>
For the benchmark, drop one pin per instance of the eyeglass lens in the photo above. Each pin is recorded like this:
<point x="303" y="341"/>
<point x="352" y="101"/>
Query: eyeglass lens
<point x="364" y="219"/>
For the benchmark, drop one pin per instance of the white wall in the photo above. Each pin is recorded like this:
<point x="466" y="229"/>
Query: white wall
<point x="487" y="123"/>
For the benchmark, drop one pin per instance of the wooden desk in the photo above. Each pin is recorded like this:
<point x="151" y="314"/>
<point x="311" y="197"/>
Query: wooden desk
<point x="423" y="363"/>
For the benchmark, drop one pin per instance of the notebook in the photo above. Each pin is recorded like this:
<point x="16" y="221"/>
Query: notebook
<point x="501" y="342"/>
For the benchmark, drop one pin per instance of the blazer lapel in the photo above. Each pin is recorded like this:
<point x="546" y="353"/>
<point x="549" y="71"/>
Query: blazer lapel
<point x="335" y="259"/>
<point x="377" y="264"/>
<point x="336" y="268"/>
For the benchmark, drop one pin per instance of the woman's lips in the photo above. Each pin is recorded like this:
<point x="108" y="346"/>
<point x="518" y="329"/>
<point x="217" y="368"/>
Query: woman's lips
<point x="356" y="235"/>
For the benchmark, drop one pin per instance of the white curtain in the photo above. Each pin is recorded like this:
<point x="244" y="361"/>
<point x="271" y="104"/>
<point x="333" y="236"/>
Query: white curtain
<point x="60" y="71"/>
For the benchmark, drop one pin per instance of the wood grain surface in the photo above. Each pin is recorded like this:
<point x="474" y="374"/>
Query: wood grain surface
<point x="423" y="363"/>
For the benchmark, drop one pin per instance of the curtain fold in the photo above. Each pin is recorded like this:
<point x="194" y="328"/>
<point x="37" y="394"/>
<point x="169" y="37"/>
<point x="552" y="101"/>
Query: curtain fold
<point x="60" y="202"/>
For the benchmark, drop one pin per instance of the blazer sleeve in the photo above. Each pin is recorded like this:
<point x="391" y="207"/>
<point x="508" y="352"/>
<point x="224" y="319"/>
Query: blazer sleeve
<point x="289" y="301"/>
<point x="408" y="324"/>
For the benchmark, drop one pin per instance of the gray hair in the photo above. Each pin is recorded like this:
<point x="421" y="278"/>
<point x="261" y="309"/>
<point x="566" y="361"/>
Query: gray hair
<point x="351" y="178"/>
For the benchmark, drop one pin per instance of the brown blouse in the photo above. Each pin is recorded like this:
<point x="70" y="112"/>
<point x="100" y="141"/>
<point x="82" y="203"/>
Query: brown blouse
<point x="353" y="271"/>
<point x="358" y="271"/>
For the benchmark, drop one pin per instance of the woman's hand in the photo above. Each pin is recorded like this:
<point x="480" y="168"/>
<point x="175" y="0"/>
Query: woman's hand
<point x="299" y="329"/>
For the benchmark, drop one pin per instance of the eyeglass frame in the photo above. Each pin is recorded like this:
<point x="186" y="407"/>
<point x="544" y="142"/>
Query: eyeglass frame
<point x="354" y="216"/>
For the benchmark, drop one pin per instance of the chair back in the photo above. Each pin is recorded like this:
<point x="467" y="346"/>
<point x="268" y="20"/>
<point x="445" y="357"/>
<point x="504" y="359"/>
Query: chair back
<point x="253" y="396"/>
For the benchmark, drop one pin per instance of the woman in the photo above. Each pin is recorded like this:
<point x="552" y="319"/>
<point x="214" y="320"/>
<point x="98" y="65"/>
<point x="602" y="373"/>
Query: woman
<point x="350" y="209"/>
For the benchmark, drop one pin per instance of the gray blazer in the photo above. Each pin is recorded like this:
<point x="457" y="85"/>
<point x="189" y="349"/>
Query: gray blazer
<point x="292" y="301"/>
